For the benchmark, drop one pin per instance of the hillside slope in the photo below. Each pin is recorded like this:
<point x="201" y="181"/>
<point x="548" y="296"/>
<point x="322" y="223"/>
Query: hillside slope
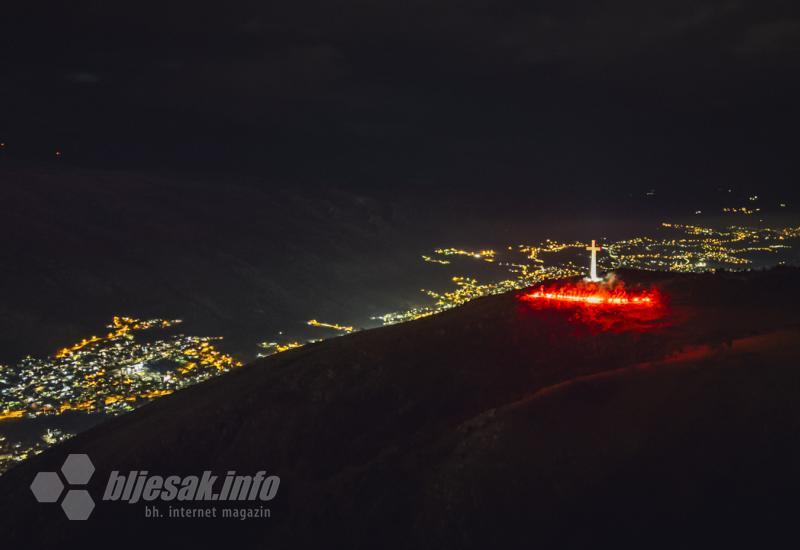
<point x="230" y="257"/>
<point x="493" y="424"/>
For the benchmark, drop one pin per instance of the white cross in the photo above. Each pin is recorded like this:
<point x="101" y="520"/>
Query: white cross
<point x="593" y="271"/>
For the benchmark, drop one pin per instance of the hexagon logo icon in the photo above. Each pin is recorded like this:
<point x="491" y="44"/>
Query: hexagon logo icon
<point x="47" y="487"/>
<point x="77" y="469"/>
<point x="78" y="504"/>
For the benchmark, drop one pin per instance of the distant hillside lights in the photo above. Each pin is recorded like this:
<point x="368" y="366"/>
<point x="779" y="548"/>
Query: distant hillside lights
<point x="122" y="326"/>
<point x="114" y="373"/>
<point x="109" y="374"/>
<point x="333" y="326"/>
<point x="271" y="348"/>
<point x="691" y="248"/>
<point x="485" y="255"/>
<point x="742" y="210"/>
<point x="12" y="452"/>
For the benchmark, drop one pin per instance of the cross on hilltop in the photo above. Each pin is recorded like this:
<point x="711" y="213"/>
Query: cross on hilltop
<point x="593" y="270"/>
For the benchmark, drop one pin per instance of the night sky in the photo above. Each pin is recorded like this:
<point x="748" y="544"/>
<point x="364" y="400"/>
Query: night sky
<point x="527" y="95"/>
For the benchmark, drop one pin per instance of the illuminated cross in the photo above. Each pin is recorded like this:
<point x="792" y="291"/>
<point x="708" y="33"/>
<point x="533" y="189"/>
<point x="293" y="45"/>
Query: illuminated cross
<point x="593" y="272"/>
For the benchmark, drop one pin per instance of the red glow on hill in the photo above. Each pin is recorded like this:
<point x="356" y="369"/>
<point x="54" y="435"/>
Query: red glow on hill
<point x="604" y="306"/>
<point x="595" y="295"/>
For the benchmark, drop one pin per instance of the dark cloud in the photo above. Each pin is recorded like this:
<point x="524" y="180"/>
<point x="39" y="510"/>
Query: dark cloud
<point x="83" y="78"/>
<point x="773" y="37"/>
<point x="430" y="89"/>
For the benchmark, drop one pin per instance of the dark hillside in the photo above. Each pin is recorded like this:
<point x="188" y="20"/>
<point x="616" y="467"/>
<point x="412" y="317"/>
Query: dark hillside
<point x="492" y="424"/>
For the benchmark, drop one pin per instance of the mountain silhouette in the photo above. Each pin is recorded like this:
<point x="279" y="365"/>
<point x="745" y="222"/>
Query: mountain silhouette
<point x="500" y="423"/>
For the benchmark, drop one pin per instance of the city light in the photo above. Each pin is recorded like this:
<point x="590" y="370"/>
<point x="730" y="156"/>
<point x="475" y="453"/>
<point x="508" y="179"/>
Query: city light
<point x="676" y="247"/>
<point x="333" y="326"/>
<point x="108" y="375"/>
<point x="114" y="372"/>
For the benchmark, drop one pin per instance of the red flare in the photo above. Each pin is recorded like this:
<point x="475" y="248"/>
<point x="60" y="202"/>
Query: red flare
<point x="602" y="307"/>
<point x="594" y="295"/>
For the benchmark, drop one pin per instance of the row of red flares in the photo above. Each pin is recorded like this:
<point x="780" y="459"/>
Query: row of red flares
<point x="594" y="295"/>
